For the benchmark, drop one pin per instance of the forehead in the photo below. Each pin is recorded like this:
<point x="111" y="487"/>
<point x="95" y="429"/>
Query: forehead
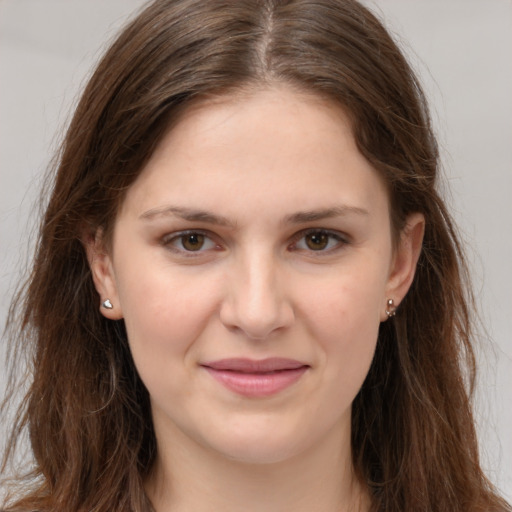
<point x="273" y="143"/>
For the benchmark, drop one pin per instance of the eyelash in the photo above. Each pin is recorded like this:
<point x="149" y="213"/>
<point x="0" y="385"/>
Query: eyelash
<point x="168" y="240"/>
<point x="340" y="241"/>
<point x="332" y="235"/>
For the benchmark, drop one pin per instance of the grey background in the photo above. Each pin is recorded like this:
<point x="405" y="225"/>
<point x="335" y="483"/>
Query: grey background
<point x="463" y="52"/>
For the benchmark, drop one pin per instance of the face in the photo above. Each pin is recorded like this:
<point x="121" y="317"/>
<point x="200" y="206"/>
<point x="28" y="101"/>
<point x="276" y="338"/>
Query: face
<point x="251" y="261"/>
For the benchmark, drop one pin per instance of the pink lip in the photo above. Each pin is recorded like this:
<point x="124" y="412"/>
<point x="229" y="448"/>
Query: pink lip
<point x="253" y="378"/>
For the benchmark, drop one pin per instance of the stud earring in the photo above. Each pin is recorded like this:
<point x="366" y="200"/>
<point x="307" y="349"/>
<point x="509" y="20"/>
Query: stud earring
<point x="107" y="304"/>
<point x="391" y="308"/>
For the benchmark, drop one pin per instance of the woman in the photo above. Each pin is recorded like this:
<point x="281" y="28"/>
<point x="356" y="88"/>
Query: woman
<point x="247" y="293"/>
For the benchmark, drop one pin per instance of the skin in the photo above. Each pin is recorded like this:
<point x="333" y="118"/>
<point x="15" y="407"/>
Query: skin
<point x="268" y="165"/>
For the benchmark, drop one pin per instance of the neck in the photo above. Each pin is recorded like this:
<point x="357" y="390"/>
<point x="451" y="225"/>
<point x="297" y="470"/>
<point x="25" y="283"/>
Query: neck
<point x="192" y="477"/>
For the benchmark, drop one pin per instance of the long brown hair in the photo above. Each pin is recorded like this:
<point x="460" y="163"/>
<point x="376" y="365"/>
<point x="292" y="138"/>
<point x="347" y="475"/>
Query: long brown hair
<point x="87" y="412"/>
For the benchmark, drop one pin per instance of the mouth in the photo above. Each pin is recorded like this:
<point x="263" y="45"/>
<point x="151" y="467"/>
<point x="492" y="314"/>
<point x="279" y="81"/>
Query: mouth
<point x="256" y="378"/>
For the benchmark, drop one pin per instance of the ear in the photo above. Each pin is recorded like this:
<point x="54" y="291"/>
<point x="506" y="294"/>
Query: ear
<point x="405" y="259"/>
<point x="102" y="272"/>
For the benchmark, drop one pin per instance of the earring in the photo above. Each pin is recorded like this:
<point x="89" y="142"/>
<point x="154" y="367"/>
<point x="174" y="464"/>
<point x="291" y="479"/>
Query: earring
<point x="107" y="304"/>
<point x="391" y="308"/>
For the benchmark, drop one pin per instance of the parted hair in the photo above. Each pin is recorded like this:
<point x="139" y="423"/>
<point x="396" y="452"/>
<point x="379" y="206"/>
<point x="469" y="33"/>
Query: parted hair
<point x="87" y="413"/>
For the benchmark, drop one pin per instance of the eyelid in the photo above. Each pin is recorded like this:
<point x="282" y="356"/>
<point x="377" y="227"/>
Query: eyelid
<point x="341" y="238"/>
<point x="167" y="240"/>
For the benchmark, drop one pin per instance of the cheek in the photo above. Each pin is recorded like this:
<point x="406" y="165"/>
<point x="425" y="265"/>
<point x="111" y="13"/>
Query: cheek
<point x="344" y="317"/>
<point x="164" y="312"/>
<point x="346" y="300"/>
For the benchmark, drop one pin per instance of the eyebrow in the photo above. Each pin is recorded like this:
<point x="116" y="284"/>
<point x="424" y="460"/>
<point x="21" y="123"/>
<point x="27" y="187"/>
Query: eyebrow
<point x="195" y="215"/>
<point x="324" y="213"/>
<point x="189" y="214"/>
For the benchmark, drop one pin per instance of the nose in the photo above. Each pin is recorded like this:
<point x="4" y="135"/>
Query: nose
<point x="256" y="302"/>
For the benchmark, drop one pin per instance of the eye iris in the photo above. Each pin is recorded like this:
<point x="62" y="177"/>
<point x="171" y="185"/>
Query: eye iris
<point x="193" y="241"/>
<point x="317" y="241"/>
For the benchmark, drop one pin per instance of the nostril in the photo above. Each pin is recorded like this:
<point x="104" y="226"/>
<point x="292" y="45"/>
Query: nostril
<point x="257" y="323"/>
<point x="255" y="302"/>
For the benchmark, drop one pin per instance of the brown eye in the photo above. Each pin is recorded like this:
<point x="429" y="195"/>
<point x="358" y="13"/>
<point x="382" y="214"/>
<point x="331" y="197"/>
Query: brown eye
<point x="317" y="241"/>
<point x="188" y="242"/>
<point x="193" y="241"/>
<point x="320" y="241"/>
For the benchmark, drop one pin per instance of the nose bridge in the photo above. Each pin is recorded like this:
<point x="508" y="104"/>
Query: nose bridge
<point x="256" y="301"/>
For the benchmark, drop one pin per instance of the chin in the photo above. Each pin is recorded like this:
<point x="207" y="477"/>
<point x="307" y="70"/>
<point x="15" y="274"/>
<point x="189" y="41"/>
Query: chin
<point x="260" y="453"/>
<point x="249" y="444"/>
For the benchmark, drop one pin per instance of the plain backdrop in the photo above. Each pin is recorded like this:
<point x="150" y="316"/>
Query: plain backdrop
<point x="462" y="50"/>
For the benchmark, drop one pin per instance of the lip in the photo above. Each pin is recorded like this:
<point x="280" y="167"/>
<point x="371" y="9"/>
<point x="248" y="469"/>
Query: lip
<point x="256" y="378"/>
